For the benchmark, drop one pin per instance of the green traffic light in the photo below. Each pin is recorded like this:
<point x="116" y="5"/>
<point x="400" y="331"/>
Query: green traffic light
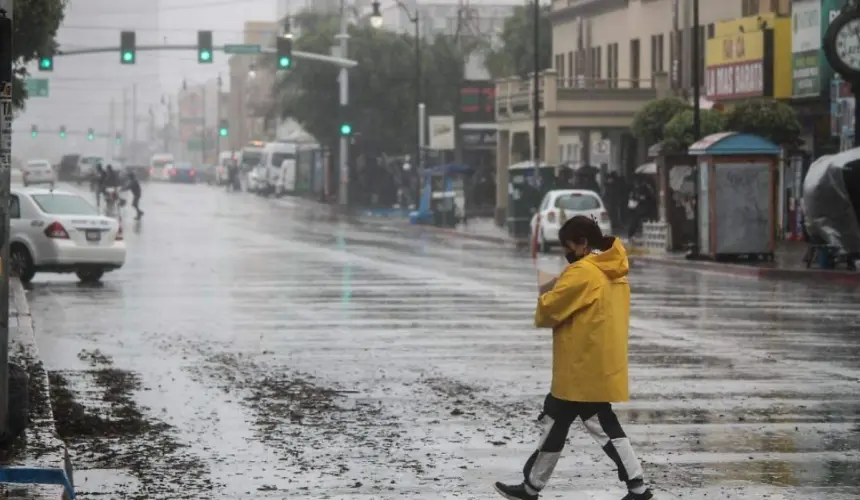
<point x="223" y="132"/>
<point x="63" y="135"/>
<point x="90" y="137"/>
<point x="45" y="63"/>
<point x="127" y="56"/>
<point x="345" y="129"/>
<point x="33" y="134"/>
<point x="205" y="55"/>
<point x="285" y="62"/>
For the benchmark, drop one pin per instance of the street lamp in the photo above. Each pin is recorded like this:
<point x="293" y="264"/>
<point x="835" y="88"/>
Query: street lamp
<point x="376" y="21"/>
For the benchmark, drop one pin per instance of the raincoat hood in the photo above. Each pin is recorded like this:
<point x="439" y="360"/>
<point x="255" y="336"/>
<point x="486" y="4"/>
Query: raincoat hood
<point x="613" y="262"/>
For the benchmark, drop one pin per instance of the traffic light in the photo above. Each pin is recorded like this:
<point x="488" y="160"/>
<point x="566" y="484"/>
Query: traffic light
<point x="90" y="134"/>
<point x="127" y="47"/>
<point x="223" y="128"/>
<point x="46" y="63"/>
<point x="204" y="46"/>
<point x="118" y="137"/>
<point x="62" y="132"/>
<point x="345" y="129"/>
<point x="285" y="52"/>
<point x="34" y="131"/>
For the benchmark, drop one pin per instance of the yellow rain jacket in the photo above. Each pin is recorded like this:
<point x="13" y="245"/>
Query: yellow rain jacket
<point x="588" y="310"/>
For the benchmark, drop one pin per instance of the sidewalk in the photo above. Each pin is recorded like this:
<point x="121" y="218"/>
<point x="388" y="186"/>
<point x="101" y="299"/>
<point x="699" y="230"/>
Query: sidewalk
<point x="787" y="265"/>
<point x="40" y="446"/>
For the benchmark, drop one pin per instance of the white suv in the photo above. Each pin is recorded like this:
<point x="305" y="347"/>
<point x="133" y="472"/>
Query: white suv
<point x="61" y="232"/>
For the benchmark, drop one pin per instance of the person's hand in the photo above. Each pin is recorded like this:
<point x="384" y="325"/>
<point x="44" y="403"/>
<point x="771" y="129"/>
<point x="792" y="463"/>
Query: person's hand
<point x="547" y="286"/>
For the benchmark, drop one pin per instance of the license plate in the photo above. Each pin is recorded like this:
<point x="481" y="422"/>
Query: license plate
<point x="94" y="235"/>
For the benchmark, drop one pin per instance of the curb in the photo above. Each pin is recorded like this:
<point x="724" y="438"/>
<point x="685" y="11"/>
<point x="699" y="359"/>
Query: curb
<point x="768" y="273"/>
<point x="44" y="449"/>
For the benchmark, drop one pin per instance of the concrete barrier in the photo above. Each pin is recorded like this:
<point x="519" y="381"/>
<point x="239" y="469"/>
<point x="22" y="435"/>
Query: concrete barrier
<point x="44" y="456"/>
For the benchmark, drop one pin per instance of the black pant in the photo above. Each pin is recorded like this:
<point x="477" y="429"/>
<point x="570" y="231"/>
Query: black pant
<point x="135" y="202"/>
<point x="600" y="421"/>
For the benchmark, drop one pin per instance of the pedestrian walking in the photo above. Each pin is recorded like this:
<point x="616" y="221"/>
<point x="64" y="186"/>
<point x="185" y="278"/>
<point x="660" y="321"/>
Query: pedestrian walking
<point x="588" y="309"/>
<point x="97" y="184"/>
<point x="134" y="187"/>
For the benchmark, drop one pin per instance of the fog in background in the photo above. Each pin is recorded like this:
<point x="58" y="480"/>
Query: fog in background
<point x="82" y="87"/>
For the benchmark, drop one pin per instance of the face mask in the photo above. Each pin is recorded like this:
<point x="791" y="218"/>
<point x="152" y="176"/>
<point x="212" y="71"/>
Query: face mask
<point x="571" y="257"/>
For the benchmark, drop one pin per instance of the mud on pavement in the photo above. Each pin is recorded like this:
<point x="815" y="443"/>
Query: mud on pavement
<point x="104" y="428"/>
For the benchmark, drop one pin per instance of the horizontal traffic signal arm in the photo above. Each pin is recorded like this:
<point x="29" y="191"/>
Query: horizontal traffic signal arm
<point x="56" y="131"/>
<point x="297" y="54"/>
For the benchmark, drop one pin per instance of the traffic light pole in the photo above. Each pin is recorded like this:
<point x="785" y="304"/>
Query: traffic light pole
<point x="337" y="61"/>
<point x="343" y="78"/>
<point x="5" y="180"/>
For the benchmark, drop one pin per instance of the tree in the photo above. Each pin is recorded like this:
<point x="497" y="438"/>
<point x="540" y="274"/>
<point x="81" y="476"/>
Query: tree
<point x="678" y="133"/>
<point x="514" y="56"/>
<point x="767" y="118"/>
<point x="383" y="107"/>
<point x="650" y="122"/>
<point x="34" y="27"/>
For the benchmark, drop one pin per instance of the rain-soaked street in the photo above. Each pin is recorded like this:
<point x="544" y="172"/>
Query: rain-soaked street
<point x="249" y="351"/>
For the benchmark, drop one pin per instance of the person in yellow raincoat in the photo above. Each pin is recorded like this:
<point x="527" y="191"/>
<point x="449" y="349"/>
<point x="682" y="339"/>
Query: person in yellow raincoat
<point x="588" y="309"/>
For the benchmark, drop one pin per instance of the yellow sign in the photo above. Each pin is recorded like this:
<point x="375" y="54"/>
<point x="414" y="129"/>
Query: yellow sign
<point x="734" y="49"/>
<point x="739" y="67"/>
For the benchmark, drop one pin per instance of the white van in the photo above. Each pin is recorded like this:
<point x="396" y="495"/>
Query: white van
<point x="273" y="158"/>
<point x="160" y="166"/>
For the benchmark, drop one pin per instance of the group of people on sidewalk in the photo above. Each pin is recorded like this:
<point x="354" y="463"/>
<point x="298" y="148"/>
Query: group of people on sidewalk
<point x="588" y="309"/>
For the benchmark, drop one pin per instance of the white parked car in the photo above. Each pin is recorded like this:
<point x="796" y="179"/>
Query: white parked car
<point x="559" y="205"/>
<point x="38" y="172"/>
<point x="61" y="232"/>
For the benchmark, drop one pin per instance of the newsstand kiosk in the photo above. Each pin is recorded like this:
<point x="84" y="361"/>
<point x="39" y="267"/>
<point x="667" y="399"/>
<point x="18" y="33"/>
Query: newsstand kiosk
<point x="736" y="188"/>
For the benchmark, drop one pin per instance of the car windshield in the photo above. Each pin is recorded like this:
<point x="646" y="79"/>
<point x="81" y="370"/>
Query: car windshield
<point x="38" y="164"/>
<point x="91" y="159"/>
<point x="577" y="202"/>
<point x="64" y="204"/>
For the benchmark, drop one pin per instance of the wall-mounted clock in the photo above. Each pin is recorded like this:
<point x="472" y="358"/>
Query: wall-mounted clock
<point x="841" y="44"/>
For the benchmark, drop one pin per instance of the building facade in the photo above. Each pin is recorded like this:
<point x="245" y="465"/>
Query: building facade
<point x="610" y="57"/>
<point x="250" y="87"/>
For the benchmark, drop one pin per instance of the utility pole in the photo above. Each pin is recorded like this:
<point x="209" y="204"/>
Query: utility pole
<point x="5" y="181"/>
<point x="536" y="91"/>
<point x="124" y="127"/>
<point x="343" y="36"/>
<point x="203" y="141"/>
<point x="169" y="128"/>
<point x="111" y="130"/>
<point x="134" y="116"/>
<point x="218" y="120"/>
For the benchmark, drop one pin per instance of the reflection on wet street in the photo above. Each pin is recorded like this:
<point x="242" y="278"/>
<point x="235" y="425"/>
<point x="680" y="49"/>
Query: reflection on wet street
<point x="256" y="349"/>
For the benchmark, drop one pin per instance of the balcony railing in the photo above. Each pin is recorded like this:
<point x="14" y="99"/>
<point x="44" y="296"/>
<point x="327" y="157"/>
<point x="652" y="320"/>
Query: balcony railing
<point x="514" y="96"/>
<point x="580" y="82"/>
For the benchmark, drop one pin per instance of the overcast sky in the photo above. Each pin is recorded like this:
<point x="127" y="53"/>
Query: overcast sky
<point x="82" y="87"/>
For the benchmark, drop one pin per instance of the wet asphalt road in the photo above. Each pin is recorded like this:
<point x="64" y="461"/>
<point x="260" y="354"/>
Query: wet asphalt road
<point x="298" y="357"/>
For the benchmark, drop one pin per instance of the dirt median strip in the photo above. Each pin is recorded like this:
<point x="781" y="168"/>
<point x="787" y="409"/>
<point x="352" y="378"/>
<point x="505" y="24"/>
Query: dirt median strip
<point x="104" y="428"/>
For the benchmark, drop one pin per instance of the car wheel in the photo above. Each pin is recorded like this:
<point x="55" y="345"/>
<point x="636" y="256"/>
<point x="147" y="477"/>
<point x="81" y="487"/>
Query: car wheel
<point x="90" y="275"/>
<point x="21" y="263"/>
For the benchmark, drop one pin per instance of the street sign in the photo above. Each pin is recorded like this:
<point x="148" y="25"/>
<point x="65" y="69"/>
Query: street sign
<point x="37" y="87"/>
<point x="242" y="48"/>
